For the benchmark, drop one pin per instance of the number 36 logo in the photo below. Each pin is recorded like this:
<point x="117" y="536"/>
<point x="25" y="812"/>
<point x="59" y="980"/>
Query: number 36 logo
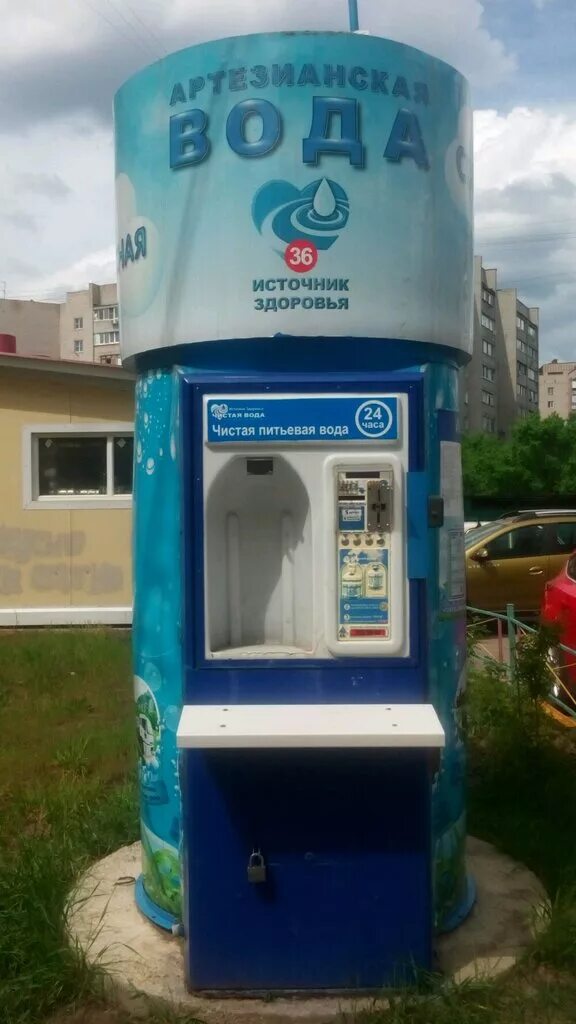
<point x="301" y="256"/>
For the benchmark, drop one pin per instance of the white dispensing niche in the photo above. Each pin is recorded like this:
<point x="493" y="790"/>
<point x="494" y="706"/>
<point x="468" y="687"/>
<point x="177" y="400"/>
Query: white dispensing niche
<point x="305" y="526"/>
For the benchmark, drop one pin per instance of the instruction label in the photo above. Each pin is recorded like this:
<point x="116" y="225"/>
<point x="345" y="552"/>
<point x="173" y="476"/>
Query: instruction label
<point x="363" y="599"/>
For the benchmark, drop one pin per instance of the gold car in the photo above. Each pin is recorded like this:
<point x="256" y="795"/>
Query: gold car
<point x="510" y="560"/>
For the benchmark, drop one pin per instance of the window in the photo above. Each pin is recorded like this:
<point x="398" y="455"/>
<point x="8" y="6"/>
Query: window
<point x="488" y="398"/>
<point x="531" y="329"/>
<point x="78" y="346"/>
<point x="78" y="323"/>
<point x="488" y="322"/>
<point x="550" y="391"/>
<point x="520" y="323"/>
<point x="488" y="372"/>
<point x="532" y="375"/>
<point x="550" y="405"/>
<point x="532" y="395"/>
<point x="107" y="338"/>
<point x="487" y="347"/>
<point x="488" y="296"/>
<point x="533" y="353"/>
<point x="524" y="542"/>
<point x="106" y="313"/>
<point x="562" y="538"/>
<point x="71" y="468"/>
<point x="521" y="390"/>
<point x="521" y="346"/>
<point x="522" y="368"/>
<point x="489" y="425"/>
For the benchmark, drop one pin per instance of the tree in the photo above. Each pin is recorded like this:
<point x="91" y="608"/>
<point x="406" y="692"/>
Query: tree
<point x="538" y="460"/>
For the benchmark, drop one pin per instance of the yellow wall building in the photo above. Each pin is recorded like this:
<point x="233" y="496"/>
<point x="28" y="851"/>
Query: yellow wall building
<point x="66" y="450"/>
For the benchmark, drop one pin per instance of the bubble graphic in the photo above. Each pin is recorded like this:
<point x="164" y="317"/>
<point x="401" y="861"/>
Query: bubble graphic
<point x="172" y="717"/>
<point x="139" y="452"/>
<point x="173" y="446"/>
<point x="146" y="419"/>
<point x="150" y="466"/>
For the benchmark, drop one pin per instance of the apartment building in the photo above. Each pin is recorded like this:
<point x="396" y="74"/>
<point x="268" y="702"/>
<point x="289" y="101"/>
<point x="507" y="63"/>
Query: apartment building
<point x="89" y="325"/>
<point x="500" y="384"/>
<point x="557" y="389"/>
<point x="83" y="328"/>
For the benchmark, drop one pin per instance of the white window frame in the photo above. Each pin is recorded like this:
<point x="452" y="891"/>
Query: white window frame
<point x="488" y="323"/>
<point x="80" y="342"/>
<point x="69" y="502"/>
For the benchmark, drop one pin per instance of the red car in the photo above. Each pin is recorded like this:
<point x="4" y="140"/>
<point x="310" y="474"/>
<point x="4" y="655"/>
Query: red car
<point x="559" y="608"/>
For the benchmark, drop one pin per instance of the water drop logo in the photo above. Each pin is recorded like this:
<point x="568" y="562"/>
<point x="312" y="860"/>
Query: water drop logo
<point x="316" y="213"/>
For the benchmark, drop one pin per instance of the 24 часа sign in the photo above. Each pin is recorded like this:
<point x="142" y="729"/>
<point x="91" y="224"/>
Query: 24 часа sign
<point x="303" y="184"/>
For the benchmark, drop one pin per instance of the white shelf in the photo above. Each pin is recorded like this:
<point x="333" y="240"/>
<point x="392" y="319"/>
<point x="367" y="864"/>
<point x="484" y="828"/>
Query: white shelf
<point x="253" y="726"/>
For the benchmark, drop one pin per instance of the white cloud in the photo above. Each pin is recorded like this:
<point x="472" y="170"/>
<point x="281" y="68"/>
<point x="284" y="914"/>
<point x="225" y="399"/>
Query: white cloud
<point x="32" y="27"/>
<point x="97" y="267"/>
<point x="57" y="187"/>
<point x="526" y="212"/>
<point x="450" y="29"/>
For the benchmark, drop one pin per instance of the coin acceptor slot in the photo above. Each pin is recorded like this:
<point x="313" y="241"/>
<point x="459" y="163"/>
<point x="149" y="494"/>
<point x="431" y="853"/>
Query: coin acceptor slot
<point x="379" y="505"/>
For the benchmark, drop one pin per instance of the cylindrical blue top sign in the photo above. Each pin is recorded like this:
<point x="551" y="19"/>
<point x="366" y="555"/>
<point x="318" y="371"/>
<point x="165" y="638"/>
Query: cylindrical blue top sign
<point x="304" y="184"/>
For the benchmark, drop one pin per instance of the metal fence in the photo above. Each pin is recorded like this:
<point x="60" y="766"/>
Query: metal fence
<point x="509" y="632"/>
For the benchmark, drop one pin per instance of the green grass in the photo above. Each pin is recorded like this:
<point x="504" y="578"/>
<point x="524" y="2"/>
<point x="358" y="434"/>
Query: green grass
<point x="67" y="796"/>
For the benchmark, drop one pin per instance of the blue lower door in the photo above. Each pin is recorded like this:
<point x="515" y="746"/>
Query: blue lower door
<point x="345" y="837"/>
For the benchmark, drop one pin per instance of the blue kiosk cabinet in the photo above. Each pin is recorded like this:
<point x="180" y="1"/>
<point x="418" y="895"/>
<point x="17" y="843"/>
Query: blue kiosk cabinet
<point x="295" y="266"/>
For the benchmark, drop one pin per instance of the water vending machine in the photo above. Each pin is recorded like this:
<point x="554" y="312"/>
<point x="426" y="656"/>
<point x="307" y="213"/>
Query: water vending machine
<point x="309" y="738"/>
<point x="295" y="270"/>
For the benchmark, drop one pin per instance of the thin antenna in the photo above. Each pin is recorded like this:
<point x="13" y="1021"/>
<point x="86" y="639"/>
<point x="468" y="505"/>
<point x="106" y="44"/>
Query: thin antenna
<point x="353" y="10"/>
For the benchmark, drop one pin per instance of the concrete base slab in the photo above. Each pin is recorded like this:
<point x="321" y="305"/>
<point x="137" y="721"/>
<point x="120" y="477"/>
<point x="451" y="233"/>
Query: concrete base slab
<point x="143" y="965"/>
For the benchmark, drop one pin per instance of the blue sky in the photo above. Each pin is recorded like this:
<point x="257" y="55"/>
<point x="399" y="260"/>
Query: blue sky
<point x="543" y="37"/>
<point x="61" y="62"/>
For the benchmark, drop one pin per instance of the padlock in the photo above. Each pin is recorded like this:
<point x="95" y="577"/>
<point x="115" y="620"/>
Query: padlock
<point x="256" y="868"/>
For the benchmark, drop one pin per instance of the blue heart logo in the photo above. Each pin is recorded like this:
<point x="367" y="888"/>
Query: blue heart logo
<point x="316" y="213"/>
